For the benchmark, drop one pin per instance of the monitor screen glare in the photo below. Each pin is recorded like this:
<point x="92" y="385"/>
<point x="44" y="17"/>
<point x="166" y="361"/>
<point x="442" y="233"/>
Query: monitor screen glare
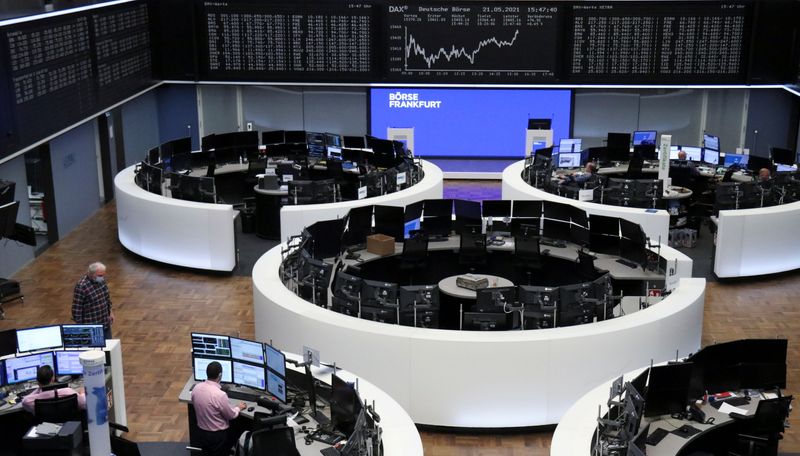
<point x="40" y="338"/>
<point x="569" y="145"/>
<point x="569" y="160"/>
<point x="645" y="137"/>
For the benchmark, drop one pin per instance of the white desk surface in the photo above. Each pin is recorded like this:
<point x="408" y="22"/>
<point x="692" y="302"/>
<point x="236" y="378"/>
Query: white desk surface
<point x="448" y="286"/>
<point x="278" y="192"/>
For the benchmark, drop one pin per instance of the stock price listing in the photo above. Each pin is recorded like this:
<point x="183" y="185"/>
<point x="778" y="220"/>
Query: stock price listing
<point x="473" y="42"/>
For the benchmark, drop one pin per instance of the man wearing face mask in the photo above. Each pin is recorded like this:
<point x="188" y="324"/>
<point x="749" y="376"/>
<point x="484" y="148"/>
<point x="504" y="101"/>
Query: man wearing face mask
<point x="91" y="301"/>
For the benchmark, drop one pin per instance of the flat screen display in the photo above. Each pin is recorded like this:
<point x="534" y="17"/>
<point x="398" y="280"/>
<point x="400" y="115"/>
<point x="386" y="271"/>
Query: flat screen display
<point x="23" y="368"/>
<point x="200" y="364"/>
<point x="644" y="137"/>
<point x="711" y="142"/>
<point x="76" y="336"/>
<point x="247" y="351"/>
<point x="40" y="338"/>
<point x="569" y="145"/>
<point x="276" y="386"/>
<point x="68" y="363"/>
<point x="250" y="375"/>
<point x="569" y="160"/>
<point x="211" y="345"/>
<point x="736" y="159"/>
<point x="468" y="122"/>
<point x="711" y="157"/>
<point x="276" y="360"/>
<point x="692" y="153"/>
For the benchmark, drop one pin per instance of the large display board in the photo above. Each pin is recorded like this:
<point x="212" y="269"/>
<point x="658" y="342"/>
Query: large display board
<point x="468" y="122"/>
<point x="257" y="40"/>
<point x="627" y="42"/>
<point x="64" y="68"/>
<point x="487" y="42"/>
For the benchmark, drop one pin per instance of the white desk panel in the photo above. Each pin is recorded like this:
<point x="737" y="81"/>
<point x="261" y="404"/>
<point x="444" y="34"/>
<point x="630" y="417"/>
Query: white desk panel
<point x="295" y="218"/>
<point x="654" y="224"/>
<point x="480" y="379"/>
<point x="174" y="231"/>
<point x="753" y="242"/>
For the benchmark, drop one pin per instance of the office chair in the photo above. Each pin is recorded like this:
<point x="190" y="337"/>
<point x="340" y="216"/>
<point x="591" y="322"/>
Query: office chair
<point x="760" y="432"/>
<point x="57" y="409"/>
<point x="277" y="441"/>
<point x="586" y="269"/>
<point x="635" y="166"/>
<point x="254" y="167"/>
<point x="472" y="249"/>
<point x="526" y="251"/>
<point x="324" y="191"/>
<point x="415" y="253"/>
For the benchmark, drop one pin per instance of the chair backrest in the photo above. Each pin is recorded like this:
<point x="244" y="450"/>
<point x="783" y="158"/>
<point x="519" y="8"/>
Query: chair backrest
<point x="472" y="243"/>
<point x="416" y="246"/>
<point x="770" y="415"/>
<point x="257" y="166"/>
<point x="277" y="441"/>
<point x="57" y="409"/>
<point x="526" y="247"/>
<point x="635" y="165"/>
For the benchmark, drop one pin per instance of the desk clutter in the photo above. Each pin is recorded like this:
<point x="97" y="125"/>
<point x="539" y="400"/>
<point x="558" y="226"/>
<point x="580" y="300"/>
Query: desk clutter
<point x="310" y="167"/>
<point x="725" y="399"/>
<point x="279" y="396"/>
<point x="328" y="266"/>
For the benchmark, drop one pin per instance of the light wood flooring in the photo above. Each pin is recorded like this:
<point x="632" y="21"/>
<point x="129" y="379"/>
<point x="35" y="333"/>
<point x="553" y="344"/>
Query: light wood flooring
<point x="157" y="306"/>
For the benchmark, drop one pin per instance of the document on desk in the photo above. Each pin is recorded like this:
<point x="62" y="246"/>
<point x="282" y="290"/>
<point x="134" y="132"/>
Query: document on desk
<point x="727" y="408"/>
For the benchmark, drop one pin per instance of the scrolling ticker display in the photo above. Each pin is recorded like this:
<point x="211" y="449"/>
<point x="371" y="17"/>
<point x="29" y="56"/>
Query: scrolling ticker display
<point x="473" y="42"/>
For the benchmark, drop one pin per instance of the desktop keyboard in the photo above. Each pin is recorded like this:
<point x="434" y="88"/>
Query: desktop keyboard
<point x="656" y="436"/>
<point x="330" y="451"/>
<point x="242" y="395"/>
<point x="325" y="437"/>
<point x="627" y="263"/>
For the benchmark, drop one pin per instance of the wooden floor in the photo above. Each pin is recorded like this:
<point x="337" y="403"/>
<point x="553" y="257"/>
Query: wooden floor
<point x="158" y="306"/>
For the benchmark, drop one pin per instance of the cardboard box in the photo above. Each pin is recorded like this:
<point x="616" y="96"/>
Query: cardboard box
<point x="380" y="244"/>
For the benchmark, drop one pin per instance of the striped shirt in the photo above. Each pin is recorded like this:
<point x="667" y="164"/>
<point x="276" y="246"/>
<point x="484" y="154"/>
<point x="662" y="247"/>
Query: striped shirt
<point x="91" y="303"/>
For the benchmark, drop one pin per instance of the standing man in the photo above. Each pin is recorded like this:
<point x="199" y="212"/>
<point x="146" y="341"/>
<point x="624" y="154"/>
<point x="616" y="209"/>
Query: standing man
<point x="91" y="301"/>
<point x="214" y="412"/>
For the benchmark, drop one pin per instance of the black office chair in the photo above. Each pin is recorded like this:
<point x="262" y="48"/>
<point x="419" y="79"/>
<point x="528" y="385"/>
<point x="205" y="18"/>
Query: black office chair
<point x="759" y="433"/>
<point x="415" y="253"/>
<point x="277" y="441"/>
<point x="57" y="409"/>
<point x="586" y="269"/>
<point x="526" y="252"/>
<point x="254" y="167"/>
<point x="325" y="191"/>
<point x="635" y="166"/>
<point x="472" y="249"/>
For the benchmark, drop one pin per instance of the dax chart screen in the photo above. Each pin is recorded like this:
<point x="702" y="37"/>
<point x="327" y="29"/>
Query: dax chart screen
<point x="473" y="41"/>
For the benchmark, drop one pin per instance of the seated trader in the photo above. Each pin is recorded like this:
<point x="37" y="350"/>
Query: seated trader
<point x="579" y="178"/>
<point x="213" y="413"/>
<point x="45" y="377"/>
<point x="687" y="163"/>
<point x="764" y="178"/>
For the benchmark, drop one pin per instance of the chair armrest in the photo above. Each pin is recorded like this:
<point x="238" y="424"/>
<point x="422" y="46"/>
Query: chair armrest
<point x="739" y="416"/>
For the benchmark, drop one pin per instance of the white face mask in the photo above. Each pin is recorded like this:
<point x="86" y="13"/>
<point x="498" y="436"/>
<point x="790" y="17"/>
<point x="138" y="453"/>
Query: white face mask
<point x="100" y="279"/>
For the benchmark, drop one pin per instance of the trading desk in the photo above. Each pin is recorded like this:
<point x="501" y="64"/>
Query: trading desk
<point x="477" y="379"/>
<point x="400" y="436"/>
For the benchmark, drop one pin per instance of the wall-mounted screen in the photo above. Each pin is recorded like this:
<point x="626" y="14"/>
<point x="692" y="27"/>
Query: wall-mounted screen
<point x="468" y="122"/>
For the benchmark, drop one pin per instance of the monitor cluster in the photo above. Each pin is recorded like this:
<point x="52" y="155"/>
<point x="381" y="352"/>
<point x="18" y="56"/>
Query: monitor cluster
<point x="672" y="389"/>
<point x="58" y="346"/>
<point x="244" y="362"/>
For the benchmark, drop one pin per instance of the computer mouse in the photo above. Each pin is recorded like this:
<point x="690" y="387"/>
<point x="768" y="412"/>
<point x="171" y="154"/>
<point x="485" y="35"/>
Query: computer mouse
<point x="250" y="409"/>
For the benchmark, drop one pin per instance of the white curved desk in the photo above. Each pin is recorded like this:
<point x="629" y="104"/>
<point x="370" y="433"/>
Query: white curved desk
<point x="753" y="242"/>
<point x="655" y="224"/>
<point x="473" y="379"/>
<point x="295" y="218"/>
<point x="174" y="231"/>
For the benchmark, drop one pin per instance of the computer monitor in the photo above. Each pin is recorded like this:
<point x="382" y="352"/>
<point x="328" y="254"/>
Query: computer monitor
<point x="327" y="238"/>
<point x="333" y="140"/>
<point x="421" y="296"/>
<point x="272" y="137"/>
<point x="410" y="226"/>
<point x="276" y="360"/>
<point x="76" y="336"/>
<point x="527" y="209"/>
<point x="23" y="368"/>
<point x="153" y="155"/>
<point x="200" y="363"/>
<point x="495" y="298"/>
<point x="468" y="213"/>
<point x="538" y="298"/>
<point x="438" y="226"/>
<point x="569" y="160"/>
<point x="354" y="142"/>
<point x="544" y="152"/>
<point x="539" y="124"/>
<point x="8" y="342"/>
<point x="783" y="156"/>
<point x="345" y="405"/>
<point x="486" y="321"/>
<point x="557" y="211"/>
<point x="347" y="286"/>
<point x="711" y="142"/>
<point x="39" y="338"/>
<point x="211" y="345"/>
<point x="438" y="208"/>
<point x="276" y="386"/>
<point x="569" y="145"/>
<point x="644" y="137"/>
<point x="618" y="141"/>
<point x="497" y="208"/>
<point x="252" y="375"/>
<point x="739" y="160"/>
<point x="389" y="221"/>
<point x="711" y="157"/>
<point x="2" y="373"/>
<point x="68" y="363"/>
<point x="668" y="389"/>
<point x="645" y="152"/>
<point x="379" y="314"/>
<point x="692" y="153"/>
<point x="755" y="163"/>
<point x="247" y="350"/>
<point x="574" y="309"/>
<point x="295" y="136"/>
<point x="359" y="225"/>
<point x="378" y="294"/>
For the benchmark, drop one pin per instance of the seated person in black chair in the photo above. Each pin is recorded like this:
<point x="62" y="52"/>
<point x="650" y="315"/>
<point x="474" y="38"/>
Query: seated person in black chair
<point x="683" y="162"/>
<point x="214" y="414"/>
<point x="764" y="178"/>
<point x="579" y="179"/>
<point x="44" y="377"/>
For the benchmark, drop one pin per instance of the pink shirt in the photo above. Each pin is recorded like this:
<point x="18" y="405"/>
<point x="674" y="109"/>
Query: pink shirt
<point x="27" y="401"/>
<point x="212" y="407"/>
